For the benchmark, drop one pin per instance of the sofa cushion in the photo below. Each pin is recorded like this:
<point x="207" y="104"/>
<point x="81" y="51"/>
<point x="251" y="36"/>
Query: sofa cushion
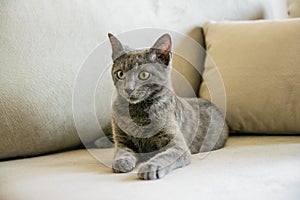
<point x="293" y="8"/>
<point x="265" y="167"/>
<point x="40" y="53"/>
<point x="259" y="64"/>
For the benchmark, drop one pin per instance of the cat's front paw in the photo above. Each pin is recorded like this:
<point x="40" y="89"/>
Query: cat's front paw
<point x="151" y="171"/>
<point x="123" y="164"/>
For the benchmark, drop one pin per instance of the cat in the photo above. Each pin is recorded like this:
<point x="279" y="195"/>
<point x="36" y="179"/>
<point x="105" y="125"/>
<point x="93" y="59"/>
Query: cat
<point x="151" y="125"/>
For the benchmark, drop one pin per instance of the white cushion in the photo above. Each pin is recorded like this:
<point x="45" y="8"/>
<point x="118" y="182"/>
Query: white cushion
<point x="247" y="168"/>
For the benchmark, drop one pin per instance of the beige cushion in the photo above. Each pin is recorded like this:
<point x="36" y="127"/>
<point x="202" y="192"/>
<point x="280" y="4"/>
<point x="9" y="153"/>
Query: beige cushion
<point x="293" y="8"/>
<point x="259" y="63"/>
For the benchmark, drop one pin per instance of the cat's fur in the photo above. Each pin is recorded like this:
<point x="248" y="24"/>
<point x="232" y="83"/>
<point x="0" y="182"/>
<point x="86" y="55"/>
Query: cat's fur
<point x="151" y="125"/>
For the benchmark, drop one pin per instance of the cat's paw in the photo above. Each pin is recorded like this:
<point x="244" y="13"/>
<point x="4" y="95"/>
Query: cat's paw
<point x="123" y="164"/>
<point x="151" y="171"/>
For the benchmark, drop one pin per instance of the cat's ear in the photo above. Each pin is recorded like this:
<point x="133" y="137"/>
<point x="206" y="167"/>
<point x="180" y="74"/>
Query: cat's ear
<point x="161" y="50"/>
<point x="117" y="47"/>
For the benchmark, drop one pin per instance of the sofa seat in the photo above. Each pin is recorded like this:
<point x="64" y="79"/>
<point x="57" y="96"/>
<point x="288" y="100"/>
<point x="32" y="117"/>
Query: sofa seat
<point x="249" y="167"/>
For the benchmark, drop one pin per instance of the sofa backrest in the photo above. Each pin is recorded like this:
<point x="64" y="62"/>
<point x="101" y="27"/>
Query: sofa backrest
<point x="44" y="43"/>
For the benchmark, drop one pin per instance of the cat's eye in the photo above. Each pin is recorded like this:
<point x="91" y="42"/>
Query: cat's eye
<point x="120" y="74"/>
<point x="144" y="75"/>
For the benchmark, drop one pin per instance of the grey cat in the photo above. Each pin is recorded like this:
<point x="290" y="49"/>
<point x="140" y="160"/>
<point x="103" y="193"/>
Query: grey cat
<point x="151" y="125"/>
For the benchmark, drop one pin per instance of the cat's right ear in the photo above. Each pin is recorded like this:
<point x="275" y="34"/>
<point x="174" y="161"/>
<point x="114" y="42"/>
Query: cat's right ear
<point x="161" y="50"/>
<point x="117" y="47"/>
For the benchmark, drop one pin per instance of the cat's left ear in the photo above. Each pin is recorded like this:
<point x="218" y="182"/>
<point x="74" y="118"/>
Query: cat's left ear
<point x="161" y="50"/>
<point x="116" y="45"/>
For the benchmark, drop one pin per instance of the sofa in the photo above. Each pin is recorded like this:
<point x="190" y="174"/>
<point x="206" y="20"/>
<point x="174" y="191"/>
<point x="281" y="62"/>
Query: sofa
<point x="56" y="92"/>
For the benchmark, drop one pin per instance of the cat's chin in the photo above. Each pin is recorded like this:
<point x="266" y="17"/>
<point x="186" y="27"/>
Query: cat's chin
<point x="135" y="100"/>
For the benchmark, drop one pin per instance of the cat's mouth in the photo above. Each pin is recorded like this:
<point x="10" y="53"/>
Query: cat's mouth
<point x="136" y="98"/>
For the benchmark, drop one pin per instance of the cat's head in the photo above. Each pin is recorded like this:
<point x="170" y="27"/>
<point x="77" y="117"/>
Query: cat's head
<point x="141" y="74"/>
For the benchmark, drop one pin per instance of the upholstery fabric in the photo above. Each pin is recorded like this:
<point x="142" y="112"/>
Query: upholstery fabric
<point x="261" y="167"/>
<point x="293" y="8"/>
<point x="259" y="64"/>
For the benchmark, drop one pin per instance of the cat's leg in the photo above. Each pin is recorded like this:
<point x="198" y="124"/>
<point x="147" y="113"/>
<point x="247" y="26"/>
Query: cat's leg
<point x="124" y="160"/>
<point x="175" y="156"/>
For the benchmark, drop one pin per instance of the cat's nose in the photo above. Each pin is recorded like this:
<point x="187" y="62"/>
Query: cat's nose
<point x="129" y="90"/>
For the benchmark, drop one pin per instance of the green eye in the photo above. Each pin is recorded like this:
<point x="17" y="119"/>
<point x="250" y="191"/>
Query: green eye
<point x="144" y="75"/>
<point x="120" y="74"/>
